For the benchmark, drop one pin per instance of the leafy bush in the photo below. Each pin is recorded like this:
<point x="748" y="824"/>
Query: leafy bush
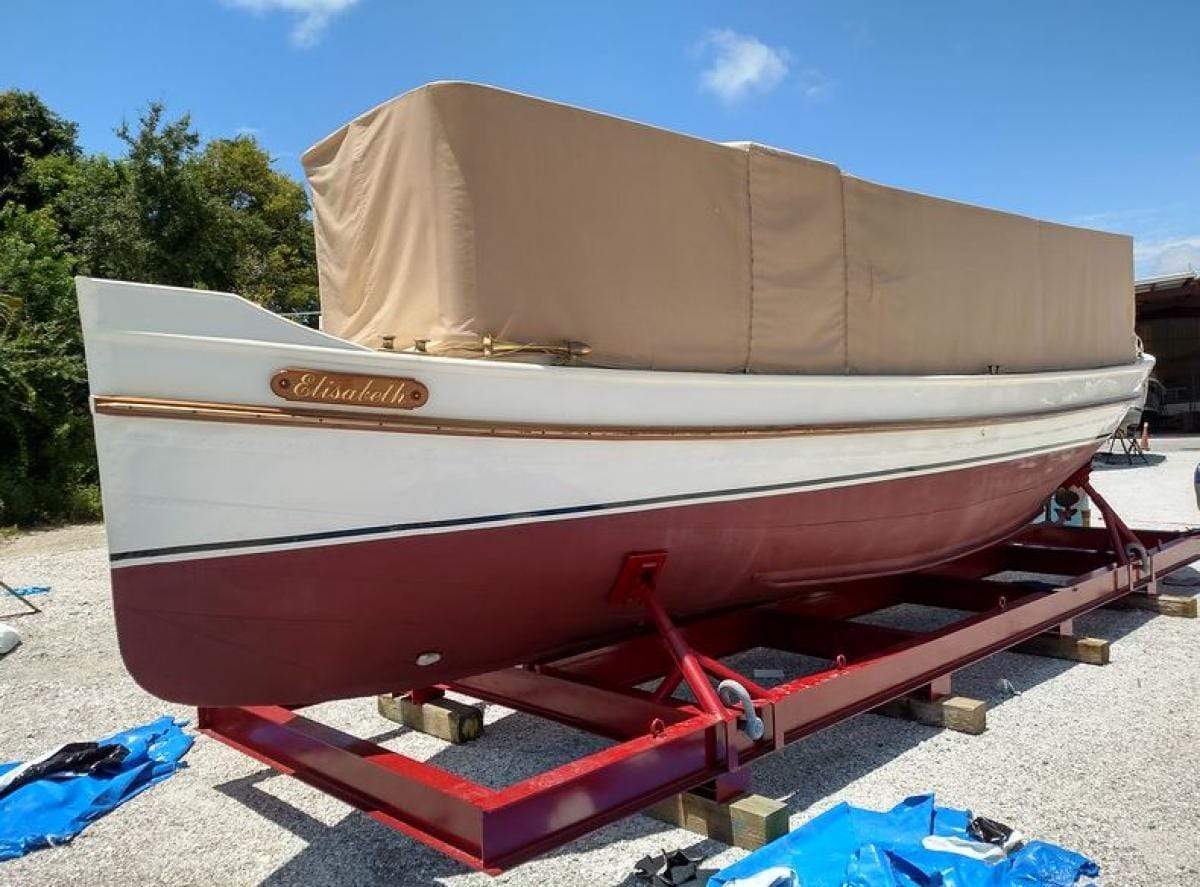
<point x="170" y="211"/>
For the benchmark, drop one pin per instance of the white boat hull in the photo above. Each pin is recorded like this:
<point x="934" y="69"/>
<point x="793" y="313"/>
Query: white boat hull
<point x="515" y="489"/>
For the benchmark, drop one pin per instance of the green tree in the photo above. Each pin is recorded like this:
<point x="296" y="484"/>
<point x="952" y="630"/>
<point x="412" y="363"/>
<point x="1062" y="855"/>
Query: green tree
<point x="28" y="131"/>
<point x="174" y="212"/>
<point x="263" y="220"/>
<point x="47" y="458"/>
<point x="90" y="199"/>
<point x="171" y="210"/>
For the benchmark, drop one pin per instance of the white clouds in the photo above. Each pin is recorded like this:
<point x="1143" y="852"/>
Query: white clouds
<point x="1156" y="257"/>
<point x="312" y="16"/>
<point x="813" y="84"/>
<point x="1120" y="220"/>
<point x="1160" y="243"/>
<point x="741" y="64"/>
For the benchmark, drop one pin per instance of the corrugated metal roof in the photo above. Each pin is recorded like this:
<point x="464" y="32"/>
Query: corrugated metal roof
<point x="1165" y="282"/>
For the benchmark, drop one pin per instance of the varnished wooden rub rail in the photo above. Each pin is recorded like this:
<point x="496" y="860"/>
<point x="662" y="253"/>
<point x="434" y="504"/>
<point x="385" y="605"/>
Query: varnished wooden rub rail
<point x="155" y="408"/>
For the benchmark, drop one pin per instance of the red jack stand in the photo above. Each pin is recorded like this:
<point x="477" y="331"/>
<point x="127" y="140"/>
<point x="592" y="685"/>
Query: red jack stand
<point x="1124" y="542"/>
<point x="635" y="584"/>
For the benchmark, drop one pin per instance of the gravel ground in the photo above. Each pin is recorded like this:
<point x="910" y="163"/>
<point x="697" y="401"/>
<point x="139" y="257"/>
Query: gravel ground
<point x="1103" y="760"/>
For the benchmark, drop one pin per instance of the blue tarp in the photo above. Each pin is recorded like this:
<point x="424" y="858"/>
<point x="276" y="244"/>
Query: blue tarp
<point x="53" y="811"/>
<point x="28" y="590"/>
<point x="851" y="847"/>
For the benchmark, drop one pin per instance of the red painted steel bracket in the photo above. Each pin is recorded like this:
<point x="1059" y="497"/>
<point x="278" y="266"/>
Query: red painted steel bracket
<point x="1124" y="541"/>
<point x="637" y="577"/>
<point x="637" y="581"/>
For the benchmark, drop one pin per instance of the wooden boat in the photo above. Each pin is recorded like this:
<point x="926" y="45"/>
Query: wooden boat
<point x="296" y="516"/>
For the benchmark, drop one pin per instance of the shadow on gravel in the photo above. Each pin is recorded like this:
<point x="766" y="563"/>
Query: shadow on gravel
<point x="355" y="850"/>
<point x="1117" y="461"/>
<point x="1184" y="582"/>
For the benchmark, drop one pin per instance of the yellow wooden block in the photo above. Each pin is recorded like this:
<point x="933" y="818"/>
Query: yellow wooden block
<point x="443" y="718"/>
<point x="1093" y="651"/>
<point x="749" y="821"/>
<point x="1162" y="604"/>
<point x="952" y="712"/>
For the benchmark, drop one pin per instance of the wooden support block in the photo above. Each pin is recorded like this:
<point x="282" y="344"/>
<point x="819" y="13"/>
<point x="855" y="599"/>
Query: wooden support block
<point x="443" y="718"/>
<point x="952" y="712"/>
<point x="749" y="821"/>
<point x="1162" y="604"/>
<point x="1073" y="648"/>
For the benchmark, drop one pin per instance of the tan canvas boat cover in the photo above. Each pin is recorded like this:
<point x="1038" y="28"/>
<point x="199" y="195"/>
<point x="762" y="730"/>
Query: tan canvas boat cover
<point x="462" y="209"/>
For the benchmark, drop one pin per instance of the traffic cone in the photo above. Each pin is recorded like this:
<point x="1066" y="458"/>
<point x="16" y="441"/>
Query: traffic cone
<point x="1144" y="443"/>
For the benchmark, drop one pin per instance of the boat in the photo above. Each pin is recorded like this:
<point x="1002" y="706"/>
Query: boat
<point x="552" y="338"/>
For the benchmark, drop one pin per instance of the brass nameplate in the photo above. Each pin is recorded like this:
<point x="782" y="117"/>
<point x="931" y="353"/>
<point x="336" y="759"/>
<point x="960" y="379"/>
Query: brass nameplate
<point x="316" y="386"/>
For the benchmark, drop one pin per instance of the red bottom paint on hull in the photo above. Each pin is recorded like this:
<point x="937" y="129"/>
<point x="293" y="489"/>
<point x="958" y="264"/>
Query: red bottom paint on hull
<point x="337" y="621"/>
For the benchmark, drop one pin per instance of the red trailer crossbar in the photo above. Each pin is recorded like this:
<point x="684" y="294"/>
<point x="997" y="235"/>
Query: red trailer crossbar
<point x="666" y="745"/>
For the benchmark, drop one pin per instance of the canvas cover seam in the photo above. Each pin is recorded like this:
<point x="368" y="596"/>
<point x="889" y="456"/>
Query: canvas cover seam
<point x="750" y="218"/>
<point x="845" y="278"/>
<point x="359" y="187"/>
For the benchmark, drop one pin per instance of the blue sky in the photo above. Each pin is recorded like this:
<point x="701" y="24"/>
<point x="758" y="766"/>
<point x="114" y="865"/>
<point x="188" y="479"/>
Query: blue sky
<point x="1081" y="112"/>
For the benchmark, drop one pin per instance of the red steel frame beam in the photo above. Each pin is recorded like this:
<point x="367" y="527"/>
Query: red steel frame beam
<point x="666" y="746"/>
